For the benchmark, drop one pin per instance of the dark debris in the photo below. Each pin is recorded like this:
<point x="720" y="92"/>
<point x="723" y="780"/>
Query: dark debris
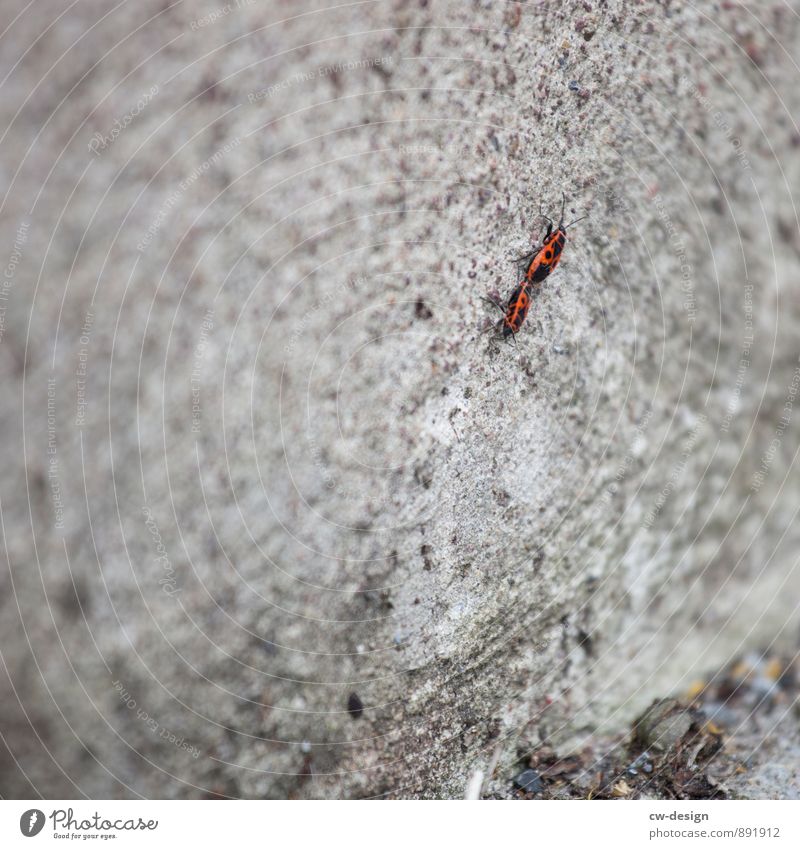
<point x="355" y="707"/>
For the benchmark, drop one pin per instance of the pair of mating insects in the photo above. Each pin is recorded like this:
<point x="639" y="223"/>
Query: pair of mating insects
<point x="537" y="265"/>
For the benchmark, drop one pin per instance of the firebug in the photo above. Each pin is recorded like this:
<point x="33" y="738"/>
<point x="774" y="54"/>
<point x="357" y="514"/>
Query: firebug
<point x="535" y="267"/>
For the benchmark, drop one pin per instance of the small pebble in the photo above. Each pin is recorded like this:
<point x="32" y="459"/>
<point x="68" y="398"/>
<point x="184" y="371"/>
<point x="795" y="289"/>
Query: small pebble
<point x="529" y="781"/>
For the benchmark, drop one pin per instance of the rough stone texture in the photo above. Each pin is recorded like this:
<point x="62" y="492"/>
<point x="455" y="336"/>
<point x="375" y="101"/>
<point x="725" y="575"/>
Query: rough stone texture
<point x="489" y="545"/>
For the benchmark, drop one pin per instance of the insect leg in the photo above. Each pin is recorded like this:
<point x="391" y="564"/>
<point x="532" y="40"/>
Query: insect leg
<point x="526" y="258"/>
<point x="493" y="303"/>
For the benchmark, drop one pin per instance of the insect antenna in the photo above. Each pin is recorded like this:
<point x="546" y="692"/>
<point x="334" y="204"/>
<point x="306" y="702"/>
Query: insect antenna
<point x="575" y="221"/>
